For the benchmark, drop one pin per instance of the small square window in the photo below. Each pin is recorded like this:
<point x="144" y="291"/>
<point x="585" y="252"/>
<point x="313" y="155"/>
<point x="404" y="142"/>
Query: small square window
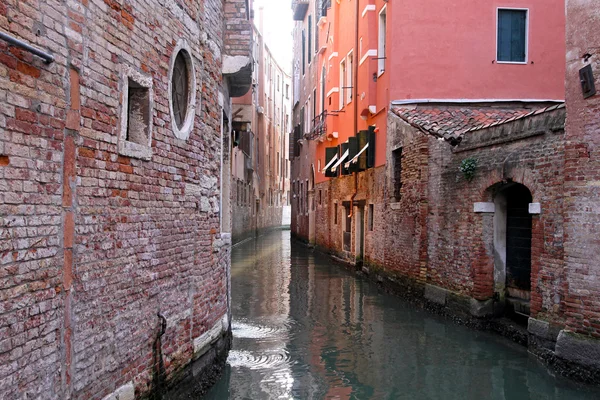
<point x="135" y="136"/>
<point x="512" y="35"/>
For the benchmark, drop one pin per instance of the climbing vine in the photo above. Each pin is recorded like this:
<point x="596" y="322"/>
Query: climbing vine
<point x="468" y="166"/>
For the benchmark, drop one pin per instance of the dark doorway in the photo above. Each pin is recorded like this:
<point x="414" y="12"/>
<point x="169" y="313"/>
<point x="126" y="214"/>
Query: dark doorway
<point x="347" y="228"/>
<point x="518" y="249"/>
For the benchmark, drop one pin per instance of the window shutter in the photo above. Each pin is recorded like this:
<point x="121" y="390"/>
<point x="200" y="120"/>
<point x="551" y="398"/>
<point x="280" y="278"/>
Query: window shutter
<point x="353" y="151"/>
<point x="330" y="152"/>
<point x="371" y="149"/>
<point x="309" y="38"/>
<point x="504" y="35"/>
<point x="363" y="139"/>
<point x="343" y="148"/>
<point x="297" y="135"/>
<point x="512" y="35"/>
<point x="518" y="36"/>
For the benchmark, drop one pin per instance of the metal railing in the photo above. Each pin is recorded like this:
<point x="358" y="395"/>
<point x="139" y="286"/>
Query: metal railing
<point x="319" y="126"/>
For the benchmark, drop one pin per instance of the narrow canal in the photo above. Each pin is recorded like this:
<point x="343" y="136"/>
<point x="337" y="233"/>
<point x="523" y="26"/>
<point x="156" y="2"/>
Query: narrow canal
<point x="305" y="328"/>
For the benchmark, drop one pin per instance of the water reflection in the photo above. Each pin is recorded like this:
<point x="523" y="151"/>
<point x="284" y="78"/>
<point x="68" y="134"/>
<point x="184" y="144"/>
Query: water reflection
<point x="306" y="329"/>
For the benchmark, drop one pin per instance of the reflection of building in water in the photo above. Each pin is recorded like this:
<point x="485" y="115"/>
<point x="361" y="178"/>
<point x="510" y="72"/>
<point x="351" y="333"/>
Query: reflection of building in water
<point x="266" y="322"/>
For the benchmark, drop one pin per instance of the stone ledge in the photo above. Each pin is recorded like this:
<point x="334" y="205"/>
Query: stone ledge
<point x="436" y="294"/>
<point x="578" y="349"/>
<point x="125" y="392"/>
<point x="204" y="342"/>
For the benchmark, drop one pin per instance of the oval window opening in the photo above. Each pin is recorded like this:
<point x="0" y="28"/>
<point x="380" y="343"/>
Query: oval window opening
<point x="180" y="89"/>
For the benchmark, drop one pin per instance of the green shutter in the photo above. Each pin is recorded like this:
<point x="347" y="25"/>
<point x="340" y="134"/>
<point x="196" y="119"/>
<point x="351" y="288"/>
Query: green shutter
<point x="343" y="148"/>
<point x="363" y="139"/>
<point x="330" y="152"/>
<point x="371" y="149"/>
<point x="354" y="149"/>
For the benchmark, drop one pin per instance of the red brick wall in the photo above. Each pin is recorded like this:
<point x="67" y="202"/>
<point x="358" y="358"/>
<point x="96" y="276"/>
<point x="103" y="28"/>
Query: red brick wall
<point x="238" y="28"/>
<point x="94" y="244"/>
<point x="431" y="234"/>
<point x="582" y="218"/>
<point x="460" y="255"/>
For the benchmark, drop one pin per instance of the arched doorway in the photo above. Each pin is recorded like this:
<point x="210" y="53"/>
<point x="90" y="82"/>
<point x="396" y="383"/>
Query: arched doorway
<point x="512" y="247"/>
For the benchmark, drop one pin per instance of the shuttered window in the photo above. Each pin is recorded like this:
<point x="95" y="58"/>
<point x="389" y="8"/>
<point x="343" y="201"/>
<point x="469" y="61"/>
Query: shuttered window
<point x="371" y="149"/>
<point x="352" y="152"/>
<point x="512" y="35"/>
<point x="310" y="31"/>
<point x="330" y="153"/>
<point x="343" y="148"/>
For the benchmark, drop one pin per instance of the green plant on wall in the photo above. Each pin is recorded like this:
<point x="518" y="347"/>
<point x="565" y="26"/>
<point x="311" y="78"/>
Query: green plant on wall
<point x="468" y="166"/>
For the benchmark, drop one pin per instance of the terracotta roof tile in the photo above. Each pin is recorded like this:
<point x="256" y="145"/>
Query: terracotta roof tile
<point x="445" y="122"/>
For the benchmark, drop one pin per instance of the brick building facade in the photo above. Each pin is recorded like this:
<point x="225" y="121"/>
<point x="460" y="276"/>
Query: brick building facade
<point x="579" y="342"/>
<point x="115" y="221"/>
<point x="475" y="195"/>
<point x="260" y="163"/>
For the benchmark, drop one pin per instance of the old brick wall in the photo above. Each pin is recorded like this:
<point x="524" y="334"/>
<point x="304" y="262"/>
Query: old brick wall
<point x="369" y="187"/>
<point x="431" y="234"/>
<point x="460" y="242"/>
<point x="95" y="244"/>
<point x="406" y="217"/>
<point x="243" y="223"/>
<point x="582" y="191"/>
<point x="238" y="28"/>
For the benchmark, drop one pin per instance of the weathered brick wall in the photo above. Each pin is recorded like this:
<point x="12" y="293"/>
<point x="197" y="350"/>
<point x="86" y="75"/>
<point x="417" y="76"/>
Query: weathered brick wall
<point x="95" y="244"/>
<point x="238" y="28"/>
<point x="406" y="217"/>
<point x="460" y="257"/>
<point x="369" y="187"/>
<point x="431" y="233"/>
<point x="582" y="165"/>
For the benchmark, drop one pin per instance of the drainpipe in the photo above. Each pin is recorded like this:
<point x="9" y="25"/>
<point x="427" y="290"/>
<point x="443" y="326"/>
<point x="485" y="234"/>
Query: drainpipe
<point x="355" y="94"/>
<point x="47" y="57"/>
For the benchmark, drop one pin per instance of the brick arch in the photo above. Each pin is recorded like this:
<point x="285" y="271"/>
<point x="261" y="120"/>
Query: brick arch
<point x="495" y="181"/>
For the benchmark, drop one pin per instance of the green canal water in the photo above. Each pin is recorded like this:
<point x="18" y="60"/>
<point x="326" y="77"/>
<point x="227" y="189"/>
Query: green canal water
<point x="305" y="328"/>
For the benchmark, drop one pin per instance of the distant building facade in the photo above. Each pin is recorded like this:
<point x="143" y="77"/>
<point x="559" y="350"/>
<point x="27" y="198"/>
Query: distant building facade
<point x="260" y="162"/>
<point x="436" y="159"/>
<point x="116" y="226"/>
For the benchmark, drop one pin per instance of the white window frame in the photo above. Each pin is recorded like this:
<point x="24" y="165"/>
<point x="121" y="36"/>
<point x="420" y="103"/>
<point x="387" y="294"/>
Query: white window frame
<point x="381" y="42"/>
<point x="350" y="61"/>
<point x="342" y="95"/>
<point x="526" y="35"/>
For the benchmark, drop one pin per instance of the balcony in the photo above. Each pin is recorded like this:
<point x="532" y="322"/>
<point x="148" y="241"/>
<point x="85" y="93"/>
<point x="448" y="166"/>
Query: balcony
<point x="300" y="7"/>
<point x="319" y="127"/>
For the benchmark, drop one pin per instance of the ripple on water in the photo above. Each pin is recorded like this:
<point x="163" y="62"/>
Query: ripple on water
<point x="271" y="360"/>
<point x="245" y="330"/>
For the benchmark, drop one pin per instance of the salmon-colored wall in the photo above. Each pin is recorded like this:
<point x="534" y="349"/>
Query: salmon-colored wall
<point x="436" y="49"/>
<point x="368" y="92"/>
<point x="447" y="50"/>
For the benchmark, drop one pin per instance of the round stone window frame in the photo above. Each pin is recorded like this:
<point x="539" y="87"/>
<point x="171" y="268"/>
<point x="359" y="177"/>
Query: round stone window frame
<point x="183" y="133"/>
